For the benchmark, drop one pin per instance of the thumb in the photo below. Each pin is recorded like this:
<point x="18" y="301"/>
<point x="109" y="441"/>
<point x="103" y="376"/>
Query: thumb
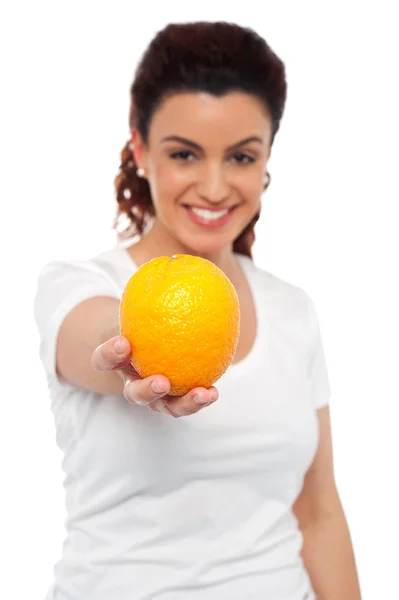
<point x="112" y="354"/>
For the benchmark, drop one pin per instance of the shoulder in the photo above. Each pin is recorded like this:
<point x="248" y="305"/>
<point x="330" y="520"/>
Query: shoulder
<point x="110" y="266"/>
<point x="277" y="293"/>
<point x="63" y="283"/>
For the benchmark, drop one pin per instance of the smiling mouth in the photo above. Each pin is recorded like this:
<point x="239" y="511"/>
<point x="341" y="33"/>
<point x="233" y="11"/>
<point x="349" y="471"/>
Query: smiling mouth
<point x="209" y="217"/>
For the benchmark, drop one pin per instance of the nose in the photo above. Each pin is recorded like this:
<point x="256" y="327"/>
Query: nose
<point x="212" y="185"/>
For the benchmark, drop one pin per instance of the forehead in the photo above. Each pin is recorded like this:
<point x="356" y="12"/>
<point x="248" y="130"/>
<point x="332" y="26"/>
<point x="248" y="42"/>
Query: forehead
<point x="201" y="116"/>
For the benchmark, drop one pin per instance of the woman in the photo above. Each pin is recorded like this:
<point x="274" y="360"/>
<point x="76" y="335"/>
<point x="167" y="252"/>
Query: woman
<point x="188" y="498"/>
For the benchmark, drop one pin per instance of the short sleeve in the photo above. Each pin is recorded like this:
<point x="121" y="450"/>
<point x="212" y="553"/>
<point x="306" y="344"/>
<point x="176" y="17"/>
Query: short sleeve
<point x="318" y="372"/>
<point x="60" y="287"/>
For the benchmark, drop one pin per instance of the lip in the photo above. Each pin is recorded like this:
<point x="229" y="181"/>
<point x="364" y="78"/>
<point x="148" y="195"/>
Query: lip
<point x="210" y="208"/>
<point x="205" y="224"/>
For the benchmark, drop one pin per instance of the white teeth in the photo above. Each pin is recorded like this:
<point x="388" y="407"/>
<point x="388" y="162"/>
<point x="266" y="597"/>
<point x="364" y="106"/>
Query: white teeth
<point x="209" y="215"/>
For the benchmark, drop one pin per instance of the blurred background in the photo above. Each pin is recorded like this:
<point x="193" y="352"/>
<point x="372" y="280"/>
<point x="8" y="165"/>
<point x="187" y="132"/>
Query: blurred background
<point x="329" y="224"/>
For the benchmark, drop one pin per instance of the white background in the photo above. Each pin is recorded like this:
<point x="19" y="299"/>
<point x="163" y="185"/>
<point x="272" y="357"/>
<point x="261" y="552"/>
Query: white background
<point x="329" y="225"/>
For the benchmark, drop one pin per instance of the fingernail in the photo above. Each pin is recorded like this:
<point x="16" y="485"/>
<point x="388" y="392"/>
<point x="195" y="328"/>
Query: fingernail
<point x="214" y="397"/>
<point x="156" y="388"/>
<point x="199" y="400"/>
<point x="118" y="346"/>
<point x="139" y="401"/>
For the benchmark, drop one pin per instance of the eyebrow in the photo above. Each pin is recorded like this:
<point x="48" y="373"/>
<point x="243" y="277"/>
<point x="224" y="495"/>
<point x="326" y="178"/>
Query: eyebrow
<point x="177" y="138"/>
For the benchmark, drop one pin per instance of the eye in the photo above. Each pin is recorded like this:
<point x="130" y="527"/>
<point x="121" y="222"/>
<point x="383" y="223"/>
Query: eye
<point x="182" y="155"/>
<point x="242" y="156"/>
<point x="185" y="154"/>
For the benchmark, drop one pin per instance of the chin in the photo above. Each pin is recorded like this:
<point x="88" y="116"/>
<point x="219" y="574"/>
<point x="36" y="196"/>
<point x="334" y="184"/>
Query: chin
<point x="206" y="244"/>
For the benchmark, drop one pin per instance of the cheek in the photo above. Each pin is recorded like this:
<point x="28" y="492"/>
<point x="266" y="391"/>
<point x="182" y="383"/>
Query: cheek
<point x="250" y="191"/>
<point x="171" y="184"/>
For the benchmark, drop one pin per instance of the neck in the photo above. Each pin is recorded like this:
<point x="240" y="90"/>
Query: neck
<point x="158" y="242"/>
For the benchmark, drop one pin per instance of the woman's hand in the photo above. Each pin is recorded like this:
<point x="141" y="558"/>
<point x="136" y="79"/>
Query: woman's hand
<point x="152" y="391"/>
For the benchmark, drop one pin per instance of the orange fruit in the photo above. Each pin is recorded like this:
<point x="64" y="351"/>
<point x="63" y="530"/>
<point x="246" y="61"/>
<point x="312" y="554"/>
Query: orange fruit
<point x="181" y="316"/>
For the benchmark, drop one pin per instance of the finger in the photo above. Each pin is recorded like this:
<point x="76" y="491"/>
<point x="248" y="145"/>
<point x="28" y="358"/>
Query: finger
<point x="112" y="354"/>
<point x="145" y="391"/>
<point x="189" y="404"/>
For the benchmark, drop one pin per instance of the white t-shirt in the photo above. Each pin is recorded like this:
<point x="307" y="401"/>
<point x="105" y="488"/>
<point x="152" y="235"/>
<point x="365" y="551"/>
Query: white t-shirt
<point x="196" y="508"/>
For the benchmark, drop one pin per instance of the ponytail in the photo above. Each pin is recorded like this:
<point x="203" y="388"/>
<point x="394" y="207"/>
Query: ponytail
<point x="133" y="196"/>
<point x="243" y="244"/>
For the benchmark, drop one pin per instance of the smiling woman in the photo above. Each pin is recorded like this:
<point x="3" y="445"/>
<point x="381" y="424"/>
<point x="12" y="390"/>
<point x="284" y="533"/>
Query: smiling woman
<point x="205" y="185"/>
<point x="211" y="215"/>
<point x="214" y="109"/>
<point x="191" y="497"/>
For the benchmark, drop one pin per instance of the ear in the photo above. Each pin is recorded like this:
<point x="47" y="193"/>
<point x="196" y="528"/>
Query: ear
<point x="138" y="149"/>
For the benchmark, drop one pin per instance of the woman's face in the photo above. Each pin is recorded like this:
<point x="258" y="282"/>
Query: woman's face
<point x="205" y="186"/>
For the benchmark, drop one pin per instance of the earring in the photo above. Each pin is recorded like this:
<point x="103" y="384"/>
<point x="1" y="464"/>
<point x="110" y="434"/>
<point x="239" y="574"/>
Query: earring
<point x="140" y="172"/>
<point x="266" y="180"/>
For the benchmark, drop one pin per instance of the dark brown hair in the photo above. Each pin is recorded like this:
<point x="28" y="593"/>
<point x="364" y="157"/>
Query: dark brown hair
<point x="216" y="58"/>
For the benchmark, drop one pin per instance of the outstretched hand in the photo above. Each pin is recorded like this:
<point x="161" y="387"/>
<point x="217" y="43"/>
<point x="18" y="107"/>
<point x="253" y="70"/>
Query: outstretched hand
<point x="153" y="392"/>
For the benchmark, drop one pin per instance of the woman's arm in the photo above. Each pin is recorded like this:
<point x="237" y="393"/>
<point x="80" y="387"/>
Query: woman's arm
<point x="85" y="327"/>
<point x="327" y="548"/>
<point x="87" y="358"/>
